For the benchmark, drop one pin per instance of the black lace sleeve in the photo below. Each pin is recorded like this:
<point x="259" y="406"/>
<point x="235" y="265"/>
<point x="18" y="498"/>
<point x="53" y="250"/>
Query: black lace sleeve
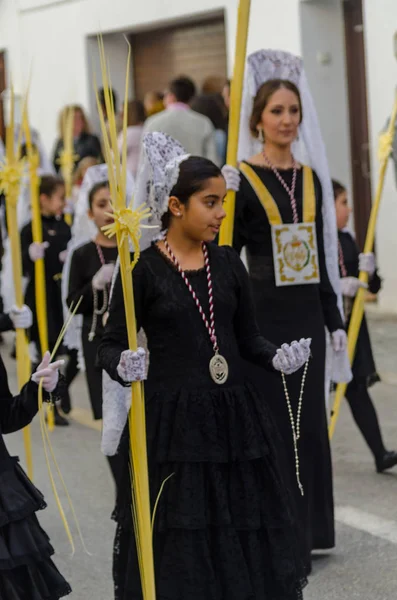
<point x="79" y="289"/>
<point x="115" y="338"/>
<point x="332" y="316"/>
<point x="16" y="411"/>
<point x="253" y="346"/>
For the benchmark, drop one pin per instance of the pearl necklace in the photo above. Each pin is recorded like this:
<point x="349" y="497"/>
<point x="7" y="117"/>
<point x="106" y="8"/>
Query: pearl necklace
<point x="296" y="425"/>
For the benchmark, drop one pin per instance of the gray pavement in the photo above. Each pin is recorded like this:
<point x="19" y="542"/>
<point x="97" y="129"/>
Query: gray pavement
<point x="363" y="565"/>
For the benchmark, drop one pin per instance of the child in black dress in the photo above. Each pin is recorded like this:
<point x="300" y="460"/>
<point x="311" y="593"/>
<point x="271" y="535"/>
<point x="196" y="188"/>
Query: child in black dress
<point x="56" y="235"/>
<point x="26" y="568"/>
<point x="90" y="277"/>
<point x="351" y="262"/>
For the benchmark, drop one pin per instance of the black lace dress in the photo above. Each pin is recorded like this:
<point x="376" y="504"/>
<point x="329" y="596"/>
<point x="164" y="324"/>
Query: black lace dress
<point x="26" y="569"/>
<point x="223" y="528"/>
<point x="285" y="314"/>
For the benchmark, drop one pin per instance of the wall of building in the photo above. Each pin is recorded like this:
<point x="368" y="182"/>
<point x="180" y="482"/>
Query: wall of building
<point x="380" y="27"/>
<point x="51" y="36"/>
<point x="323" y="51"/>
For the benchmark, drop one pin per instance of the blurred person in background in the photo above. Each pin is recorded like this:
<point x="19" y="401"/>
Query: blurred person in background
<point x="193" y="131"/>
<point x="85" y="143"/>
<point x="153" y="103"/>
<point x="135" y="122"/>
<point x="210" y="106"/>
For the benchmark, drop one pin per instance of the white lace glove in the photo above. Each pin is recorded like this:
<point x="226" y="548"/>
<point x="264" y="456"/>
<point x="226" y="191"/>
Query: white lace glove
<point x="103" y="277"/>
<point x="367" y="263"/>
<point x="232" y="177"/>
<point x="63" y="256"/>
<point x="37" y="251"/>
<point x="351" y="285"/>
<point x="132" y="365"/>
<point x="291" y="357"/>
<point x="22" y="318"/>
<point x="339" y="340"/>
<point x="49" y="373"/>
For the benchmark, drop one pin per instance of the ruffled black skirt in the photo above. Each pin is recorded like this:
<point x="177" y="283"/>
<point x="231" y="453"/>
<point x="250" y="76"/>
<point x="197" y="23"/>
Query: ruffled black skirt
<point x="26" y="569"/>
<point x="224" y="528"/>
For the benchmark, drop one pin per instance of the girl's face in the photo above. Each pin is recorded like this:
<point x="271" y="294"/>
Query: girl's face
<point x="342" y="210"/>
<point x="78" y="124"/>
<point x="101" y="204"/>
<point x="201" y="218"/>
<point x="53" y="206"/>
<point x="281" y="118"/>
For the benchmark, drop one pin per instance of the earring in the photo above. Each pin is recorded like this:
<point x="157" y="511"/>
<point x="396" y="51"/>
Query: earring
<point x="261" y="135"/>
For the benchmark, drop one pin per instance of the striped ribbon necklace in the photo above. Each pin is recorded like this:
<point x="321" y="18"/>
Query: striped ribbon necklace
<point x="219" y="369"/>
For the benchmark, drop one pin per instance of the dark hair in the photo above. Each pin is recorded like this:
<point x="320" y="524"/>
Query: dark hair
<point x="135" y="113"/>
<point x="213" y="84"/>
<point x="194" y="172"/>
<point x="183" y="89"/>
<point x="49" y="184"/>
<point x="211" y="106"/>
<point x="24" y="149"/>
<point x="95" y="189"/>
<point x="263" y="96"/>
<point x="113" y="96"/>
<point x="338" y="188"/>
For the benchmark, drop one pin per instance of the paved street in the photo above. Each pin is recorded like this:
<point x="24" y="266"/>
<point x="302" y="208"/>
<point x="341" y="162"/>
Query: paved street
<point x="363" y="566"/>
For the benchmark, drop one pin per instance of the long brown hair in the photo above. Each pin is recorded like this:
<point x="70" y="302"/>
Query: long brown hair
<point x="263" y="96"/>
<point x="63" y="114"/>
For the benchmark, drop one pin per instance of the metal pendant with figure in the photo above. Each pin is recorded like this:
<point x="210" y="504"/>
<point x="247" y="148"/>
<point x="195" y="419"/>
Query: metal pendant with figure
<point x="219" y="369"/>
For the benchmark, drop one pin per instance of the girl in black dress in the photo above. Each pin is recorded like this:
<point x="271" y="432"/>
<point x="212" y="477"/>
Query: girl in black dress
<point x="223" y="526"/>
<point x="56" y="235"/>
<point x="26" y="568"/>
<point x="351" y="262"/>
<point x="90" y="276"/>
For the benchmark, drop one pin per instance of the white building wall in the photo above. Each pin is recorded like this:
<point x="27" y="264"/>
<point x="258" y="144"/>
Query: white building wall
<point x="323" y="51"/>
<point x="380" y="27"/>
<point x="52" y="36"/>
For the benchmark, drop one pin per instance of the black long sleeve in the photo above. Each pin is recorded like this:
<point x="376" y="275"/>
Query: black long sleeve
<point x="16" y="411"/>
<point x="115" y="338"/>
<point x="80" y="286"/>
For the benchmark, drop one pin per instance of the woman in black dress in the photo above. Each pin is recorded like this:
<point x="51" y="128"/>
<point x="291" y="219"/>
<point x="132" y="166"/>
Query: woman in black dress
<point x="351" y="262"/>
<point x="274" y="189"/>
<point x="26" y="568"/>
<point x="223" y="527"/>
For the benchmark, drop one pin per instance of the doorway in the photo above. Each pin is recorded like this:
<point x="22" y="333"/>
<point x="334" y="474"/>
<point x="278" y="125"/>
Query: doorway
<point x="358" y="112"/>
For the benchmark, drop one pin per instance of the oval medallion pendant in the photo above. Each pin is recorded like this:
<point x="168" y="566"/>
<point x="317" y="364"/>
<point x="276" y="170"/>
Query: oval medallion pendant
<point x="219" y="369"/>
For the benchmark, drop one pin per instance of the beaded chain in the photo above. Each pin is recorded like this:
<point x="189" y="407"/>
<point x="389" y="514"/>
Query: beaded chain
<point x="290" y="191"/>
<point x="98" y="312"/>
<point x="211" y="325"/>
<point x="296" y="426"/>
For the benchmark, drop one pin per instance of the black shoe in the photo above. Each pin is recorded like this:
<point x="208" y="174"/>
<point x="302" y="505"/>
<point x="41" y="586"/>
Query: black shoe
<point x="66" y="405"/>
<point x="59" y="420"/>
<point x="387" y="461"/>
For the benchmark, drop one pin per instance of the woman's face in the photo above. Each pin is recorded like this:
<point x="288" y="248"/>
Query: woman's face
<point x="342" y="210"/>
<point x="101" y="207"/>
<point x="201" y="218"/>
<point x="78" y="123"/>
<point x="281" y="118"/>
